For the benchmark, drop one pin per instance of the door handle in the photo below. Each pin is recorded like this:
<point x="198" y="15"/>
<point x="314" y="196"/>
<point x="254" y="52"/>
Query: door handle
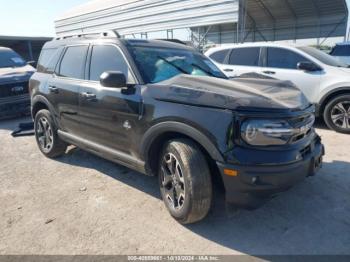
<point x="228" y="70"/>
<point x="53" y="89"/>
<point x="89" y="96"/>
<point x="269" y="72"/>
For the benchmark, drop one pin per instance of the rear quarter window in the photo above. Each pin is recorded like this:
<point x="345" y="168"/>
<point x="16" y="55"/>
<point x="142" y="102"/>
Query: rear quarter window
<point x="48" y="60"/>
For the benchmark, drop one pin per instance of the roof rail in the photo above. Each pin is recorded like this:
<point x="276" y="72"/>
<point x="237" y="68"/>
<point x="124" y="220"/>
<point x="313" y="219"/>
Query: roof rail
<point x="108" y="33"/>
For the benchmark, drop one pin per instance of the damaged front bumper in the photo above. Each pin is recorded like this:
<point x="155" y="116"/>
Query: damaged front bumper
<point x="250" y="186"/>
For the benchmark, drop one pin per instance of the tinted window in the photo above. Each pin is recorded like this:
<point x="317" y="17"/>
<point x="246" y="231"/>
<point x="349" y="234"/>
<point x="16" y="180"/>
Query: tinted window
<point x="48" y="60"/>
<point x="73" y="62"/>
<point x="248" y="56"/>
<point x="106" y="58"/>
<point x="9" y="58"/>
<point x="341" y="50"/>
<point x="283" y="58"/>
<point x="219" y="56"/>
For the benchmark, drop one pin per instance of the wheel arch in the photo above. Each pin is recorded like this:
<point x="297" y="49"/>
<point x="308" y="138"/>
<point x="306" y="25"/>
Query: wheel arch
<point x="40" y="102"/>
<point x="330" y="95"/>
<point x="155" y="138"/>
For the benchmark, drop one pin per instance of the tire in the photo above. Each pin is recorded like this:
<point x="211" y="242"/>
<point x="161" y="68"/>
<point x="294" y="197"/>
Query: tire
<point x="46" y="135"/>
<point x="337" y="114"/>
<point x="185" y="181"/>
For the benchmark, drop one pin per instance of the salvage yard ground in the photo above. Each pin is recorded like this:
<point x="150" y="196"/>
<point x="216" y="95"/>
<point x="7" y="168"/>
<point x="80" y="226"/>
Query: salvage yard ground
<point x="82" y="204"/>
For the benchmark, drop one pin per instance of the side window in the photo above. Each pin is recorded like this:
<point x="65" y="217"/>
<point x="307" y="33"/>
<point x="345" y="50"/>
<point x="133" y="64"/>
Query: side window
<point x="247" y="56"/>
<point x="107" y="58"/>
<point x="73" y="62"/>
<point x="219" y="56"/>
<point x="48" y="60"/>
<point x="283" y="58"/>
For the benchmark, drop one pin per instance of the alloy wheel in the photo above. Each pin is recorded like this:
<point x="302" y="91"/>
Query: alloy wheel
<point x="173" y="182"/>
<point x="340" y="115"/>
<point x="44" y="134"/>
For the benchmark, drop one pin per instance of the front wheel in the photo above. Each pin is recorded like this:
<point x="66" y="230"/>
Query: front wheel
<point x="185" y="181"/>
<point x="337" y="114"/>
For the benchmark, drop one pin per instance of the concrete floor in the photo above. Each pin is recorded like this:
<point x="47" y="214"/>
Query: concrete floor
<point x="82" y="204"/>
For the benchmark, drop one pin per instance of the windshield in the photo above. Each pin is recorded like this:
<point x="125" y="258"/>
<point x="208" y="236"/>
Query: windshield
<point x="323" y="57"/>
<point x="157" y="64"/>
<point x="9" y="58"/>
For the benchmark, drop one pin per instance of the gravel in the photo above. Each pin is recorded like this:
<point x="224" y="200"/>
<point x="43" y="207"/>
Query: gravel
<point x="82" y="204"/>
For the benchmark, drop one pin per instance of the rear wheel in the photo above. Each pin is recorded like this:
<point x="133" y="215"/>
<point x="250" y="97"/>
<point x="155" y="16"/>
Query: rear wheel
<point x="46" y="135"/>
<point x="337" y="114"/>
<point x="185" y="181"/>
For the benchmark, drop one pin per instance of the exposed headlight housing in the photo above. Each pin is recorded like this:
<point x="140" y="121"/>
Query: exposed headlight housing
<point x="262" y="132"/>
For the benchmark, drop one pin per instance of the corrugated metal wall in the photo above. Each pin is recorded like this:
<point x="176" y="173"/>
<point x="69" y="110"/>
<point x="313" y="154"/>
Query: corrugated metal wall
<point x="148" y="16"/>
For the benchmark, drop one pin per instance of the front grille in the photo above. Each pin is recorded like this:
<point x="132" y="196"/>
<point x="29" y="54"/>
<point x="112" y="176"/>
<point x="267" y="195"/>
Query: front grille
<point x="13" y="89"/>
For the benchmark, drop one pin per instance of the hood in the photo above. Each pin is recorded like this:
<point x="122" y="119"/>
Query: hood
<point x="10" y="74"/>
<point x="230" y="94"/>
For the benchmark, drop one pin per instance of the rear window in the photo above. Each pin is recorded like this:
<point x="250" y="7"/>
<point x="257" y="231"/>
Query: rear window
<point x="248" y="56"/>
<point x="73" y="62"/>
<point x="48" y="60"/>
<point x="219" y="56"/>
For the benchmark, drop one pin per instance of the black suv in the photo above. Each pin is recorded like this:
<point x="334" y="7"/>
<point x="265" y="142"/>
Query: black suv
<point x="164" y="109"/>
<point x="14" y="77"/>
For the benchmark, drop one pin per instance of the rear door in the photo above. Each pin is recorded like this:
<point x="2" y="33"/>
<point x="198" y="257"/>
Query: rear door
<point x="109" y="116"/>
<point x="242" y="60"/>
<point x="64" y="87"/>
<point x="281" y="63"/>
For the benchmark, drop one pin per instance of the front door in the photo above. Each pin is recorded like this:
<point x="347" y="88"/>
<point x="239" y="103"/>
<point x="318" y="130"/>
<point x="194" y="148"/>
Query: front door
<point x="282" y="64"/>
<point x="109" y="116"/>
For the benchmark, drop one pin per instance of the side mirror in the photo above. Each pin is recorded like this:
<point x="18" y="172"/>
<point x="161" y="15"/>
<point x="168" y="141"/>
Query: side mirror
<point x="114" y="79"/>
<point x="308" y="66"/>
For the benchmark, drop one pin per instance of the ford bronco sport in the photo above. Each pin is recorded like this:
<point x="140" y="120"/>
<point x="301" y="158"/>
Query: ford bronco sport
<point x="164" y="109"/>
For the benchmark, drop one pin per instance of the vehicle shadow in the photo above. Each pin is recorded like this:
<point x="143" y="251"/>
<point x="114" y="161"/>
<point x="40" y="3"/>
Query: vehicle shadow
<point x="311" y="218"/>
<point x="320" y="124"/>
<point x="13" y="123"/>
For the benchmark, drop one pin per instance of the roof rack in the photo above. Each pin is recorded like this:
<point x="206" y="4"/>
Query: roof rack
<point x="108" y="33"/>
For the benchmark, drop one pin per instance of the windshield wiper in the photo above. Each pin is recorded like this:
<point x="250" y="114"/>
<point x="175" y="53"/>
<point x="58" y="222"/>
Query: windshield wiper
<point x="174" y="65"/>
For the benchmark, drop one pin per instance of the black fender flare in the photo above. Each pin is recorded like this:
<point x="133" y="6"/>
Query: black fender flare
<point x="41" y="99"/>
<point x="172" y="126"/>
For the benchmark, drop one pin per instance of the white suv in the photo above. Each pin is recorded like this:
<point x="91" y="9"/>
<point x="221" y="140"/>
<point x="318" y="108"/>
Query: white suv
<point x="324" y="80"/>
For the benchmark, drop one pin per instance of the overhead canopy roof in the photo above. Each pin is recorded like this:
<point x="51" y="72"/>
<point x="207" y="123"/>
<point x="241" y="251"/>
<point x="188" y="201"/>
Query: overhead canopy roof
<point x="259" y="20"/>
<point x="293" y="19"/>
<point x="139" y="16"/>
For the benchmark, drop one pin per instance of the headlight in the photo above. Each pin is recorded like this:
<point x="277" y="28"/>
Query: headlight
<point x="259" y="132"/>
